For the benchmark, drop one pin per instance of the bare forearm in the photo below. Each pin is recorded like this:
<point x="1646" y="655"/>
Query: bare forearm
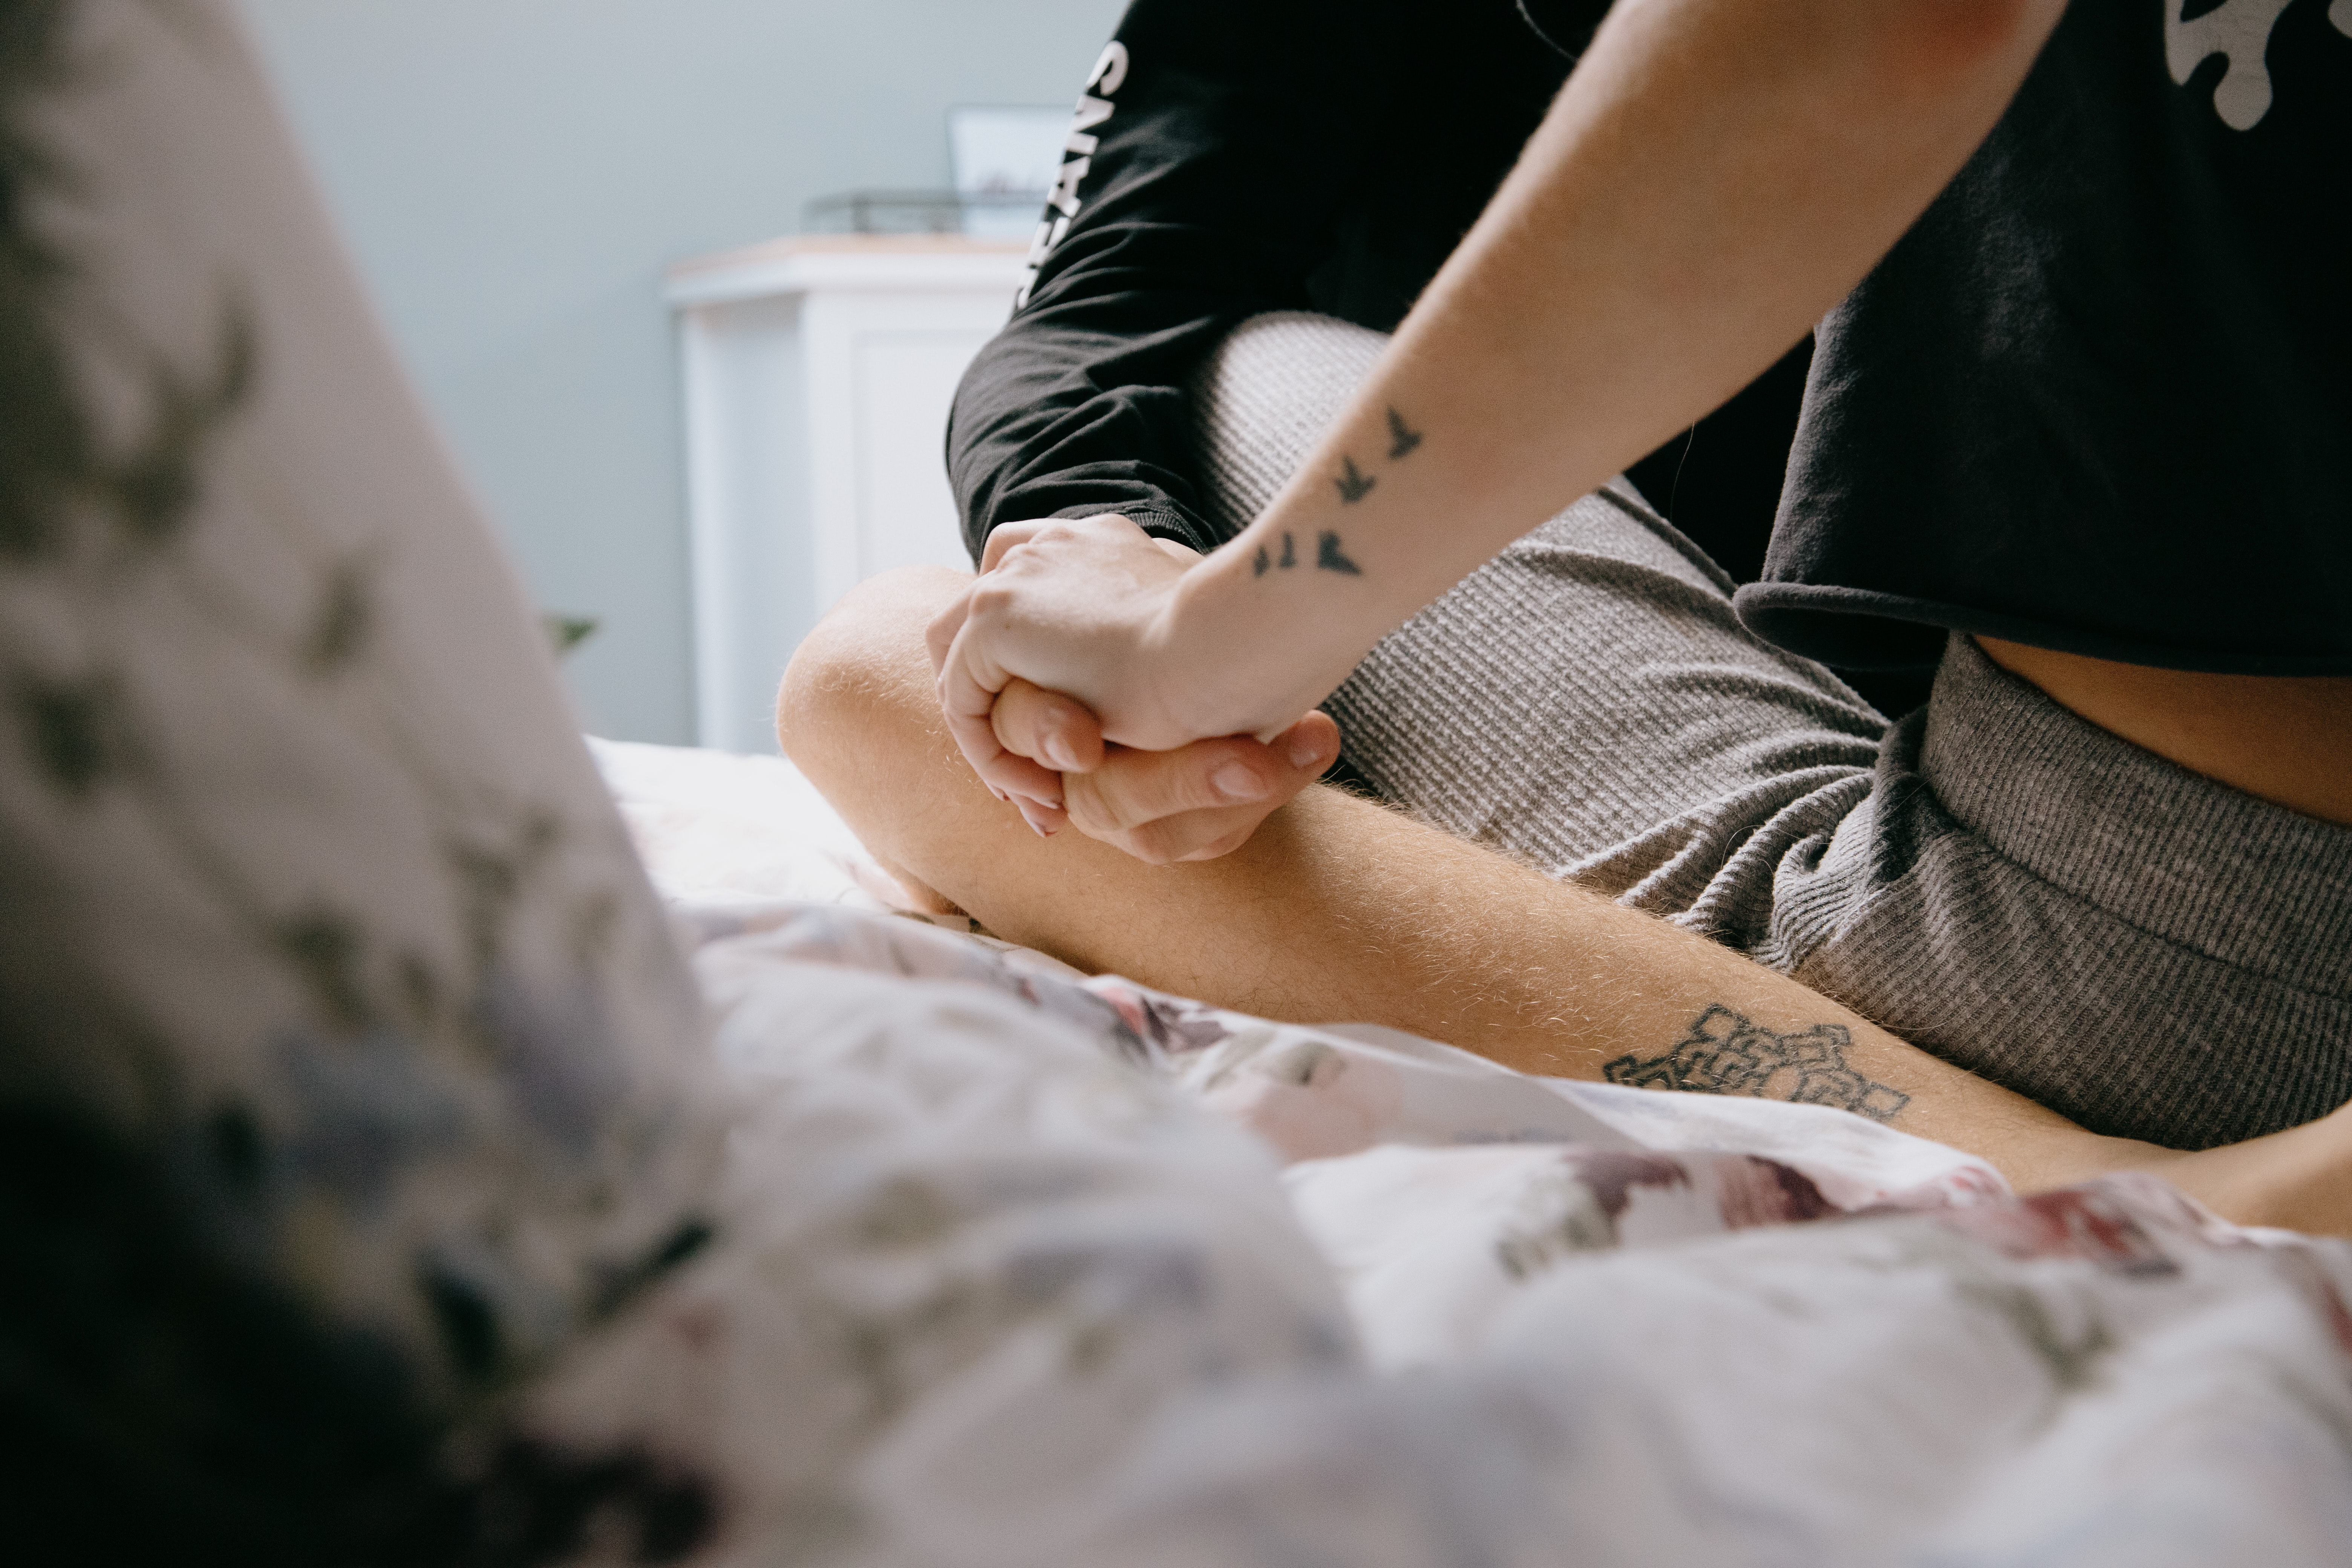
<point x="1715" y="176"/>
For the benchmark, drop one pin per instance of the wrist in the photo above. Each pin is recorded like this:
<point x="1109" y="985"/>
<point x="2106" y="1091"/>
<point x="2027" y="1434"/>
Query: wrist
<point x="1263" y="657"/>
<point x="2300" y="1179"/>
<point x="1206" y="630"/>
<point x="2050" y="1157"/>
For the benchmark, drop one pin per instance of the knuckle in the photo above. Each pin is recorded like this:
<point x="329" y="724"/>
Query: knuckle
<point x="1034" y="549"/>
<point x="1084" y="803"/>
<point x="1161" y="784"/>
<point x="1218" y="849"/>
<point x="1169" y="839"/>
<point x="1119" y="818"/>
<point x="1198" y="789"/>
<point x="1147" y="847"/>
<point x="1107" y="802"/>
<point x="1004" y="721"/>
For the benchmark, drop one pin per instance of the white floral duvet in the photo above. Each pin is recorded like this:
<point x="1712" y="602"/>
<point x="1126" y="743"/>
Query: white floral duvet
<point x="371" y="1194"/>
<point x="1057" y="1269"/>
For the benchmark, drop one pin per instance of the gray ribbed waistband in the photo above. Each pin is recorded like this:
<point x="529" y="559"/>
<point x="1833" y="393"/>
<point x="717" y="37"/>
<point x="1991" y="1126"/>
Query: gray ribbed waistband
<point x="2172" y="853"/>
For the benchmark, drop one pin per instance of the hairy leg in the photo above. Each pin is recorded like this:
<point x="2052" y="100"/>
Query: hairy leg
<point x="1340" y="909"/>
<point x="1335" y="909"/>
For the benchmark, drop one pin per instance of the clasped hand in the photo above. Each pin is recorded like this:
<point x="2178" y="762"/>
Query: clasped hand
<point x="1066" y="682"/>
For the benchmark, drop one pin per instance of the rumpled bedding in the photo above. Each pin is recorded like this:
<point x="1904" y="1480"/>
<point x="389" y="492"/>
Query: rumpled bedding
<point x="1073" y="1271"/>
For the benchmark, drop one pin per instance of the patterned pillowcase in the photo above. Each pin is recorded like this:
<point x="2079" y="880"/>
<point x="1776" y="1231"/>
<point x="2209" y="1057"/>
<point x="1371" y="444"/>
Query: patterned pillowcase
<point x="341" y="1041"/>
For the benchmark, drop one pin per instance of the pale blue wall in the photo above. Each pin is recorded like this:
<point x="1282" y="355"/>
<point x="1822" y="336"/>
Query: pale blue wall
<point x="514" y="175"/>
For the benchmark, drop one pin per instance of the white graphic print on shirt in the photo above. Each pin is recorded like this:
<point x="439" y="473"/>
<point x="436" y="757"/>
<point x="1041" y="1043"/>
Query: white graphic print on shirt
<point x="2241" y="31"/>
<point x="1109" y="71"/>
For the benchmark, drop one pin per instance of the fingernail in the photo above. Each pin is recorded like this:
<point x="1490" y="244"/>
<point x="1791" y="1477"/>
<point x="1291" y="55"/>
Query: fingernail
<point x="1306" y="752"/>
<point x="1236" y="782"/>
<point x="1059" y="754"/>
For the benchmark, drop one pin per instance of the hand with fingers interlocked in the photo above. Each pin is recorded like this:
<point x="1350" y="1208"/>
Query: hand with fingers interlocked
<point x="1080" y="609"/>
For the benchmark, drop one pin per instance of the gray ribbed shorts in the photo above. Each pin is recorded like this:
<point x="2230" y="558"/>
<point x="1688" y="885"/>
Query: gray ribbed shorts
<point x="2147" y="952"/>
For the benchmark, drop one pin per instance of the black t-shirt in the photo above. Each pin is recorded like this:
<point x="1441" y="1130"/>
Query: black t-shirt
<point x="2099" y="398"/>
<point x="2095" y="400"/>
<point x="1232" y="157"/>
<point x="1235" y="156"/>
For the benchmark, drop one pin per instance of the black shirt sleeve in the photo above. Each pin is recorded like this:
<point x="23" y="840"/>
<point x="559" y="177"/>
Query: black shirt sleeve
<point x="1207" y="163"/>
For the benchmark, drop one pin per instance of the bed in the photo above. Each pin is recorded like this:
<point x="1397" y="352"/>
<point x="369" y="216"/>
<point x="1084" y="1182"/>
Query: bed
<point x="395" y="1174"/>
<point x="1560" y="1321"/>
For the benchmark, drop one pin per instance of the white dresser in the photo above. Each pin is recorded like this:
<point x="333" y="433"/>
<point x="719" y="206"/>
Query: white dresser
<point x="818" y="373"/>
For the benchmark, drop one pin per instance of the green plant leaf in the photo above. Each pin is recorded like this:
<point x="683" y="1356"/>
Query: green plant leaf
<point x="565" y="633"/>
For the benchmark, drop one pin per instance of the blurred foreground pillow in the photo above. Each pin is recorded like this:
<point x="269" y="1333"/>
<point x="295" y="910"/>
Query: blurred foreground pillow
<point x="341" y="1041"/>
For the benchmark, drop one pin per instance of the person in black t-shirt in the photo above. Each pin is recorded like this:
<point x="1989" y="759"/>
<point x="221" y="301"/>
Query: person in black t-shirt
<point x="2080" y="430"/>
<point x="1238" y="183"/>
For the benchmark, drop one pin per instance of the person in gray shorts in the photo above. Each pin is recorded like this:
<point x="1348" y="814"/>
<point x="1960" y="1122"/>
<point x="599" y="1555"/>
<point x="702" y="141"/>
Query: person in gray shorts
<point x="2090" y="908"/>
<point x="2148" y="952"/>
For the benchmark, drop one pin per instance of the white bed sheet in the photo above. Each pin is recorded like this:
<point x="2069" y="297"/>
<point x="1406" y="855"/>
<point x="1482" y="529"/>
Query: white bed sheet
<point x="1580" y="1323"/>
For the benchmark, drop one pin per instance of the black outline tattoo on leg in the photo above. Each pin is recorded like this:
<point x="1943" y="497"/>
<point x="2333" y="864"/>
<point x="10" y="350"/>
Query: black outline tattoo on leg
<point x="1290" y="554"/>
<point x="1402" y="439"/>
<point x="1327" y="556"/>
<point x="1259" y="566"/>
<point x="1355" y="484"/>
<point x="1726" y="1054"/>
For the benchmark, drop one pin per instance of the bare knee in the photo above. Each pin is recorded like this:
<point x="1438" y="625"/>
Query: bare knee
<point x="858" y="714"/>
<point x="853" y="677"/>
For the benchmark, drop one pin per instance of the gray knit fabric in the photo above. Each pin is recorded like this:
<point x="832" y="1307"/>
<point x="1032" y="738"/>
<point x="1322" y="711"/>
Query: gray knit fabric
<point x="2145" y="951"/>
